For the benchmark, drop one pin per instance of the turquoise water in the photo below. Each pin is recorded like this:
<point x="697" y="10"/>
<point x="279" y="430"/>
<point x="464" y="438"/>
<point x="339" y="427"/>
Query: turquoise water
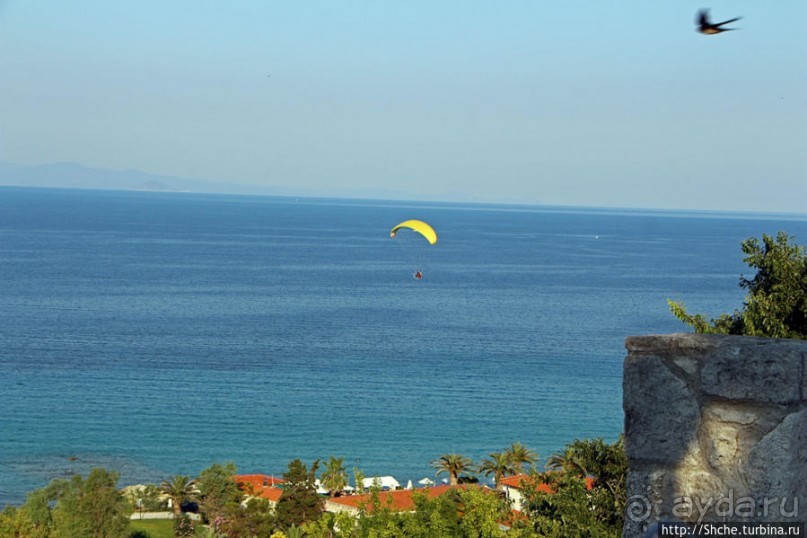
<point x="158" y="333"/>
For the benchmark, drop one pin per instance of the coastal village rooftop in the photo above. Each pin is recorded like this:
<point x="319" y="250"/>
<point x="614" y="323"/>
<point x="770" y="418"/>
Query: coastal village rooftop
<point x="399" y="500"/>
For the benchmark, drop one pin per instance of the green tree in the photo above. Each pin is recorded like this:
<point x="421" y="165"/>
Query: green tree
<point x="330" y="525"/>
<point x="519" y="455"/>
<point x="255" y="518"/>
<point x="93" y="507"/>
<point x="179" y="488"/>
<point x="218" y="490"/>
<point x="16" y="522"/>
<point x="607" y="466"/>
<point x="563" y="511"/>
<point x="566" y="461"/>
<point x="498" y="464"/>
<point x="454" y="465"/>
<point x="147" y="498"/>
<point x="334" y="477"/>
<point x="358" y="478"/>
<point x="299" y="503"/>
<point x="482" y="513"/>
<point x="433" y="517"/>
<point x="34" y="519"/>
<point x="471" y="512"/>
<point x="776" y="304"/>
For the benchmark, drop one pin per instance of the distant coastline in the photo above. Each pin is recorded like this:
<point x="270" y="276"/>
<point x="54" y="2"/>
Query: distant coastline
<point x="96" y="179"/>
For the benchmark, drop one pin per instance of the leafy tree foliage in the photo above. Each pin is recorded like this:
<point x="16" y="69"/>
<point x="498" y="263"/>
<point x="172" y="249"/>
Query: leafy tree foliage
<point x="299" y="503"/>
<point x="147" y="498"/>
<point x="565" y="511"/>
<point x="331" y="525"/>
<point x="32" y="520"/>
<point x="91" y="507"/>
<point x="256" y="518"/>
<point x="16" y="522"/>
<point x="183" y="526"/>
<point x="471" y="512"/>
<point x="218" y="492"/>
<point x="776" y="304"/>
<point x="606" y="465"/>
<point x="568" y="461"/>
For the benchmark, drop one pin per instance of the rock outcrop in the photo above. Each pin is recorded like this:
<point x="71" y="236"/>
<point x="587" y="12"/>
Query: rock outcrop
<point x="715" y="429"/>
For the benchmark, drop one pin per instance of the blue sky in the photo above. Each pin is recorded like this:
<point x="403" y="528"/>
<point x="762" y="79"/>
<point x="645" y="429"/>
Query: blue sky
<point x="600" y="103"/>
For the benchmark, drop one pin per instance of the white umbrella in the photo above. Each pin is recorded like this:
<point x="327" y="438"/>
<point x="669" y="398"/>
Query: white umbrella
<point x="426" y="482"/>
<point x="409" y="485"/>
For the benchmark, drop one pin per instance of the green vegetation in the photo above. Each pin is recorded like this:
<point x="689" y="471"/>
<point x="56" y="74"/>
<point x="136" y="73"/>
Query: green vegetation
<point x="607" y="466"/>
<point x="334" y="478"/>
<point x="151" y="528"/>
<point x="568" y="509"/>
<point x="179" y="490"/>
<point x="519" y="456"/>
<point x="91" y="507"/>
<point x="218" y="493"/>
<point x="497" y="465"/>
<point x="299" y="502"/>
<point x="455" y="466"/>
<point x="776" y="304"/>
<point x="583" y="495"/>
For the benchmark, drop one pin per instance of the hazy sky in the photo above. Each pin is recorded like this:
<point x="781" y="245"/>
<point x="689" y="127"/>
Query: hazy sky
<point x="606" y="103"/>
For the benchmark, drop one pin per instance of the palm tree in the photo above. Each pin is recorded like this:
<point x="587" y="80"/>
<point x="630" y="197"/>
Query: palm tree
<point x="454" y="465"/>
<point x="334" y="477"/>
<point x="568" y="460"/>
<point x="520" y="455"/>
<point x="179" y="488"/>
<point x="497" y="464"/>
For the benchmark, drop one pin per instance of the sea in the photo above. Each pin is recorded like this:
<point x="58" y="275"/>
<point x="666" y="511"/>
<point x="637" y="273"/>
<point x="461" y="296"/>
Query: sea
<point x="156" y="334"/>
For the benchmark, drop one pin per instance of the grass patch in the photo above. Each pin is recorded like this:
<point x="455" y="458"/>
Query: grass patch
<point x="151" y="528"/>
<point x="157" y="528"/>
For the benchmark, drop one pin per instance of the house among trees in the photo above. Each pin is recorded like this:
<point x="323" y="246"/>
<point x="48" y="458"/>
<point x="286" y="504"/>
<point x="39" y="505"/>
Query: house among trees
<point x="514" y="485"/>
<point x="401" y="500"/>
<point x="260" y="485"/>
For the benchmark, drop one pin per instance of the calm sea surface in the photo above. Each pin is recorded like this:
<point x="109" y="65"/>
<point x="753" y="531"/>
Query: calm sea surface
<point x="156" y="334"/>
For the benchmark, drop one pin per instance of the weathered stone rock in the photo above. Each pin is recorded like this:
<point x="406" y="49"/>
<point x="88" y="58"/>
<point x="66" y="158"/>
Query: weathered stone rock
<point x="729" y="431"/>
<point x="715" y="429"/>
<point x="764" y="371"/>
<point x="778" y="462"/>
<point x="687" y="364"/>
<point x="644" y="503"/>
<point x="804" y="376"/>
<point x="661" y="414"/>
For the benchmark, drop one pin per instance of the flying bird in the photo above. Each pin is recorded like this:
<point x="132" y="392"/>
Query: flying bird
<point x="709" y="28"/>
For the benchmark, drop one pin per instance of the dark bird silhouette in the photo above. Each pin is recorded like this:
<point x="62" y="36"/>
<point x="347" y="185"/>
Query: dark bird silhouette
<point x="709" y="28"/>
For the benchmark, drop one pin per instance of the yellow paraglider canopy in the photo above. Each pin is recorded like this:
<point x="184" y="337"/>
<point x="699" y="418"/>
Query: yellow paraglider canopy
<point x="419" y="226"/>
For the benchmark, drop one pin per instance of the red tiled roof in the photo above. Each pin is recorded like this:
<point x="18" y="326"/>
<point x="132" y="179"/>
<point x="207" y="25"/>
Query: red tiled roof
<point x="260" y="485"/>
<point x="399" y="500"/>
<point x="273" y="494"/>
<point x="515" y="482"/>
<point x="257" y="480"/>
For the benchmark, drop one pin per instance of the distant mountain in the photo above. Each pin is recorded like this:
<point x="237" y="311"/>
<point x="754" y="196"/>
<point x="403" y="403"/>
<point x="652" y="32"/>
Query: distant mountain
<point x="76" y="176"/>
